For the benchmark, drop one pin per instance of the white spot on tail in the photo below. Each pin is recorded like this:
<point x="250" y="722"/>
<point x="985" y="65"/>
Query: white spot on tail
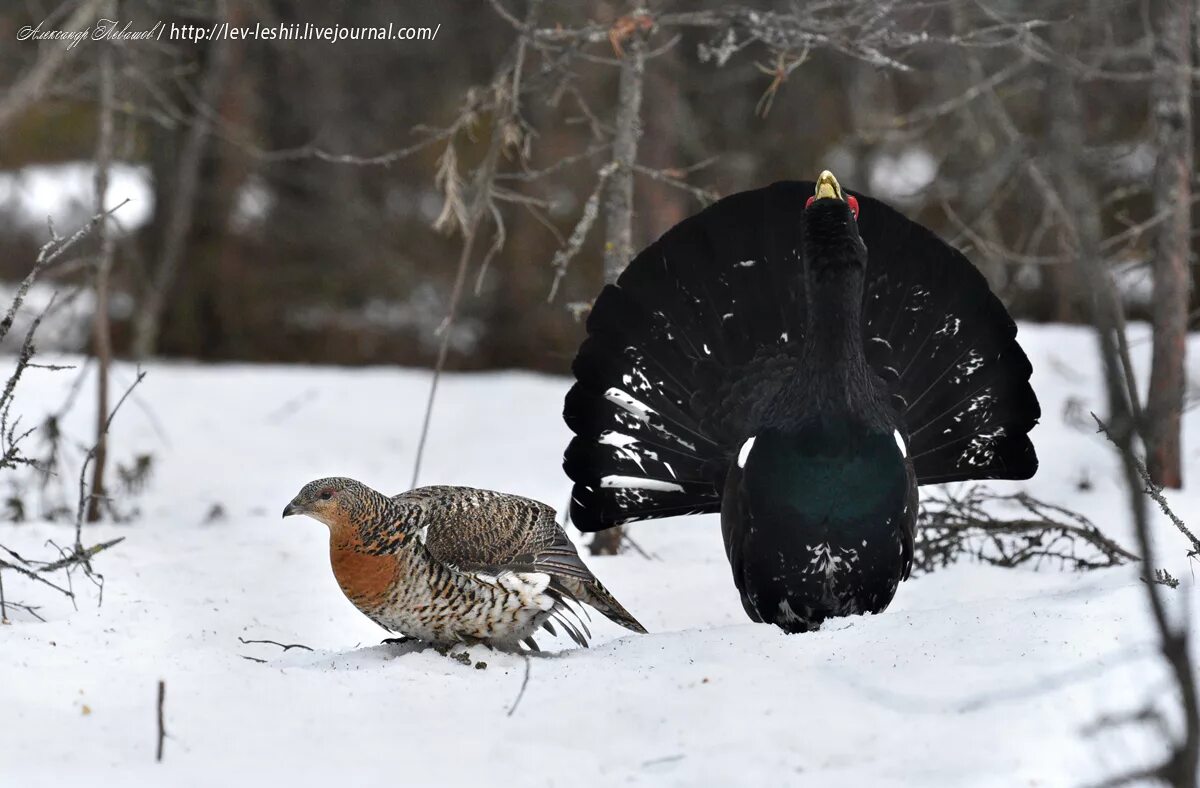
<point x="900" y="443"/>
<point x="638" y="410"/>
<point x="744" y="453"/>
<point x="620" y="440"/>
<point x="637" y="483"/>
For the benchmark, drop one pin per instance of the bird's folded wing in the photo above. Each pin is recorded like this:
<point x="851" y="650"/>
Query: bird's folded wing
<point x="469" y="527"/>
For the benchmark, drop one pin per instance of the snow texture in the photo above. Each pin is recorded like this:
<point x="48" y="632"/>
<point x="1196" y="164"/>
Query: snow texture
<point x="976" y="676"/>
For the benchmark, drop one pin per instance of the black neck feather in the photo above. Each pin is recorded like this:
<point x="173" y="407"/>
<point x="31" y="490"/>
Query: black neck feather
<point x="835" y="379"/>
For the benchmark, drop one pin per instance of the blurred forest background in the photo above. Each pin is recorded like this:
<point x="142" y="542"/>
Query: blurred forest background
<point x="305" y="201"/>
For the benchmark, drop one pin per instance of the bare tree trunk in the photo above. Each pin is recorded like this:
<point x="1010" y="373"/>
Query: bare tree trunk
<point x="618" y="208"/>
<point x="1171" y="97"/>
<point x="147" y="322"/>
<point x="101" y="336"/>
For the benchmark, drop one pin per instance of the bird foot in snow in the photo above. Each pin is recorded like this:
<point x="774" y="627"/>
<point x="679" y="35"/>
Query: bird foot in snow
<point x="400" y="641"/>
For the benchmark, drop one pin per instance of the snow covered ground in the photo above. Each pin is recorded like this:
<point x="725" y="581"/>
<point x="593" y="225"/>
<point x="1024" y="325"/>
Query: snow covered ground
<point x="976" y="676"/>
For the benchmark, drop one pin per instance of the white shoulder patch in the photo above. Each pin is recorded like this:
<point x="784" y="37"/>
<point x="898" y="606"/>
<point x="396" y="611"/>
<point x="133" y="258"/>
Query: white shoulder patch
<point x="900" y="443"/>
<point x="744" y="452"/>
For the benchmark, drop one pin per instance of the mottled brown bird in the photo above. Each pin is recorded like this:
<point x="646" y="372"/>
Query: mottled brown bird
<point x="452" y="565"/>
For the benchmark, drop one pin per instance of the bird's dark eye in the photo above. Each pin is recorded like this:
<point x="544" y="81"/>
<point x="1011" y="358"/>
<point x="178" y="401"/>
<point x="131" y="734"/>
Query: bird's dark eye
<point x="326" y="495"/>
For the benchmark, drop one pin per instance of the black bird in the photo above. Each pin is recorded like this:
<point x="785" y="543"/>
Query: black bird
<point x="800" y="360"/>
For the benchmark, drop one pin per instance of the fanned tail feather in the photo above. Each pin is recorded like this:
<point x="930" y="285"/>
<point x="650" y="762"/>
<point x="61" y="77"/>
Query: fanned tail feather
<point x="702" y="296"/>
<point x="948" y="348"/>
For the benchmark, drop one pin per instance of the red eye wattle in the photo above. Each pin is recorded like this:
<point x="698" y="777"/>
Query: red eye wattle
<point x="853" y="204"/>
<point x="810" y="201"/>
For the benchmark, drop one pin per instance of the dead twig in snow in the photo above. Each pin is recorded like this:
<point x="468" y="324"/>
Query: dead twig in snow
<point x="162" y="731"/>
<point x="81" y="556"/>
<point x="521" y="692"/>
<point x="284" y="646"/>
<point x="33" y="575"/>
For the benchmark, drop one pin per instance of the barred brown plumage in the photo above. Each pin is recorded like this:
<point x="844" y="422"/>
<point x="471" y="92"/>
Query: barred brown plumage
<point x="456" y="564"/>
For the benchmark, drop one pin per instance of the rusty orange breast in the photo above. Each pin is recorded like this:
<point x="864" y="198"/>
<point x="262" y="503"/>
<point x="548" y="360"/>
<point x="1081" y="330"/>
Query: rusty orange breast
<point x="365" y="579"/>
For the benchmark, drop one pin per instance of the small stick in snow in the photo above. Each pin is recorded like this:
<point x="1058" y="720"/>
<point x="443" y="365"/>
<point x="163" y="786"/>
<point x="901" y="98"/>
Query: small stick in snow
<point x="521" y="693"/>
<point x="664" y="759"/>
<point x="162" y="733"/>
<point x="284" y="646"/>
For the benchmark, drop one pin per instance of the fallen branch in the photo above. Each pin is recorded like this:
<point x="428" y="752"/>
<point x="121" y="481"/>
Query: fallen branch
<point x="951" y="526"/>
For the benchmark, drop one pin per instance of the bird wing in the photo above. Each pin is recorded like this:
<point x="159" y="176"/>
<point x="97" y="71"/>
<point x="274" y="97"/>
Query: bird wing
<point x="492" y="531"/>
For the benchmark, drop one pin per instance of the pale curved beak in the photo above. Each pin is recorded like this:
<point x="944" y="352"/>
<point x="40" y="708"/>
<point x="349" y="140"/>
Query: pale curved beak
<point x="828" y="187"/>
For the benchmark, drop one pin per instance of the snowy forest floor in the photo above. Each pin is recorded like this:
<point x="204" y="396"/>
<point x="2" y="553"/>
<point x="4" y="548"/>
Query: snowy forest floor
<point x="976" y="675"/>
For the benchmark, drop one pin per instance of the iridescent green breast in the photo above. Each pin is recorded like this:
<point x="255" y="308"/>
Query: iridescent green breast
<point x="828" y="471"/>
